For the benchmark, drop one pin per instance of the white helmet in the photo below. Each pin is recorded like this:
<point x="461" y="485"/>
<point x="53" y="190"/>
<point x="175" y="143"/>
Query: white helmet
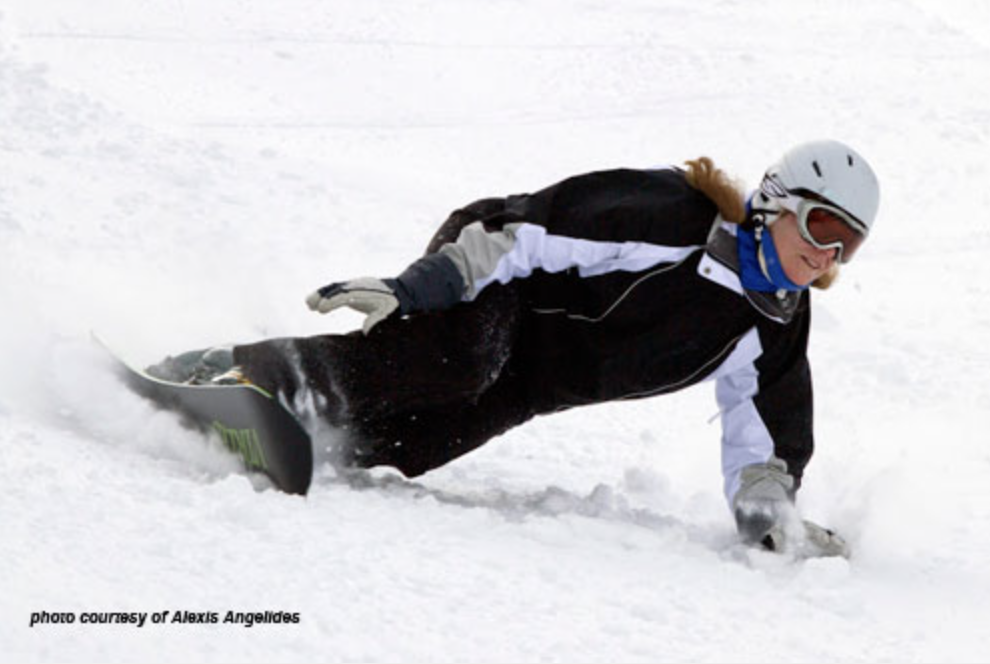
<point x="829" y="172"/>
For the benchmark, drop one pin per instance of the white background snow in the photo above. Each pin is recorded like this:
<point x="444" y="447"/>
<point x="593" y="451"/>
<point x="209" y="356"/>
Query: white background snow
<point x="176" y="174"/>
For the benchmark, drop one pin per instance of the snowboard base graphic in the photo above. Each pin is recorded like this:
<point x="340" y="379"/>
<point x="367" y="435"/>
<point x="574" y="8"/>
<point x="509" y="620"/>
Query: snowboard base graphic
<point x="250" y="422"/>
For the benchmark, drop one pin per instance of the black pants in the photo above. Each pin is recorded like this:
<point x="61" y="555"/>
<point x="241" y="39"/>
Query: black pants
<point x="416" y="392"/>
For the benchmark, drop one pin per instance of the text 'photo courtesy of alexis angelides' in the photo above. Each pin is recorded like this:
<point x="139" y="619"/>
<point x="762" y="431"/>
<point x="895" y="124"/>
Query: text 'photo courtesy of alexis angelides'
<point x="164" y="617"/>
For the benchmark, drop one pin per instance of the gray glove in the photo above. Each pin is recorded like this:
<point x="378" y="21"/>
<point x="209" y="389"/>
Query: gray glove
<point x="805" y="539"/>
<point x="765" y="514"/>
<point x="432" y="283"/>
<point x="368" y="295"/>
<point x="763" y="501"/>
<point x="821" y="542"/>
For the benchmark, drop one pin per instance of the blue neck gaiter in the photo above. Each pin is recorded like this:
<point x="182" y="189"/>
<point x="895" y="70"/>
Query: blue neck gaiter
<point x="750" y="271"/>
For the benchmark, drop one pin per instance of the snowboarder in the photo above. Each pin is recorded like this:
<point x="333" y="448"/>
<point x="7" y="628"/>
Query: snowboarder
<point x="611" y="285"/>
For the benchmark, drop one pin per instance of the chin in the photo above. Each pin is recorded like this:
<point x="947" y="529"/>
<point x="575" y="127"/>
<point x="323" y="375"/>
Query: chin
<point x="802" y="279"/>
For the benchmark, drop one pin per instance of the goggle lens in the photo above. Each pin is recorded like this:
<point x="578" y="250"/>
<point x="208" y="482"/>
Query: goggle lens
<point x="828" y="228"/>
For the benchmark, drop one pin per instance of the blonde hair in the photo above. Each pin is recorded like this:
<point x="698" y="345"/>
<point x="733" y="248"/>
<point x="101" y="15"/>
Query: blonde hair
<point x="729" y="197"/>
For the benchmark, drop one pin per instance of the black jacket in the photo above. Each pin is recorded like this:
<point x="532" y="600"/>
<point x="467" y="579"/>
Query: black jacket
<point x="629" y="281"/>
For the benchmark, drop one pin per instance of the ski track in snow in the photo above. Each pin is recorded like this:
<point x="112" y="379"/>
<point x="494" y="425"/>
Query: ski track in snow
<point x="175" y="175"/>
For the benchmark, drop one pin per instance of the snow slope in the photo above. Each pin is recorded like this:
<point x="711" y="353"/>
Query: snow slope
<point x="176" y="174"/>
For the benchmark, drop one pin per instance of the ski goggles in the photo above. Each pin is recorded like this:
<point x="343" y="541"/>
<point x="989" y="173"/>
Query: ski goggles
<point x="820" y="223"/>
<point x="827" y="227"/>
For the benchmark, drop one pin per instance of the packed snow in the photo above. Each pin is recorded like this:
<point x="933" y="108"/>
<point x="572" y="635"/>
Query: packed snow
<point x="178" y="174"/>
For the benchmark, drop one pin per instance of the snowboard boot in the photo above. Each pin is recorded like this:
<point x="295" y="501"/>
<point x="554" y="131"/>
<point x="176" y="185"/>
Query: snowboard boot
<point x="233" y="376"/>
<point x="196" y="367"/>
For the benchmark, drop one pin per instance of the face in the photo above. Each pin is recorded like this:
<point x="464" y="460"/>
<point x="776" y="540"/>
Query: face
<point x="802" y="262"/>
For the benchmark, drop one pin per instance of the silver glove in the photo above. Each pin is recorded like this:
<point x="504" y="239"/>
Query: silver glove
<point x="368" y="295"/>
<point x="765" y="514"/>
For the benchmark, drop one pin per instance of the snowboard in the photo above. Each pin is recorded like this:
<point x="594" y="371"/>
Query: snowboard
<point x="249" y="421"/>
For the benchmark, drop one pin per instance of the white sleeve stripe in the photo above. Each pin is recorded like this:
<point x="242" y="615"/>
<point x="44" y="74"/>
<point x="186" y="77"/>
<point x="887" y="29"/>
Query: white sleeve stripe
<point x="745" y="437"/>
<point x="534" y="248"/>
